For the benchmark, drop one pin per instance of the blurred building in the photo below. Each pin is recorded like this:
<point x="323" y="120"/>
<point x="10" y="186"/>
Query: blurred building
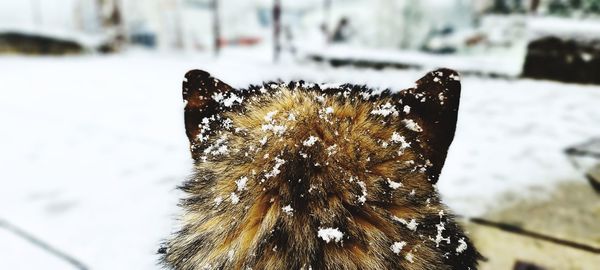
<point x="441" y="26"/>
<point x="90" y="24"/>
<point x="380" y="23"/>
<point x="545" y="7"/>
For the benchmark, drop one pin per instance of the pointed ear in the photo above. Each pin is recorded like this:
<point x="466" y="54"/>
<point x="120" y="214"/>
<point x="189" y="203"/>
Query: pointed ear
<point x="199" y="93"/>
<point x="434" y="103"/>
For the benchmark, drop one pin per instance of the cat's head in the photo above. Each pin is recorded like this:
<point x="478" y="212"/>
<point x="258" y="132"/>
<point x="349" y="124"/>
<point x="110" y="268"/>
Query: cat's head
<point x="324" y="124"/>
<point x="321" y="175"/>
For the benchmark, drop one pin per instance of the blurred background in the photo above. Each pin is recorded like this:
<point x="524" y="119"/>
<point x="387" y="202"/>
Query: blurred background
<point x="93" y="145"/>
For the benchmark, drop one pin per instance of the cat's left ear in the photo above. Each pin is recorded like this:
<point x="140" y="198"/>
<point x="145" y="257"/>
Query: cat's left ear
<point x="433" y="106"/>
<point x="201" y="94"/>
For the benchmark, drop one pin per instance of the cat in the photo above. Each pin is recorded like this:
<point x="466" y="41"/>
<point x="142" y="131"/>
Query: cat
<point x="307" y="176"/>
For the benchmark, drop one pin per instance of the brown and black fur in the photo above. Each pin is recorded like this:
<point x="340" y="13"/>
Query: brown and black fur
<point x="277" y="163"/>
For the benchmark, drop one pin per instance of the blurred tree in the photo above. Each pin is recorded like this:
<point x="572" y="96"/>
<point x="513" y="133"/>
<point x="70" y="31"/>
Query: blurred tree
<point x="110" y="17"/>
<point x="414" y="14"/>
<point x="500" y="6"/>
<point x="575" y="4"/>
<point x="216" y="26"/>
<point x="573" y="7"/>
<point x="559" y="7"/>
<point x="326" y="19"/>
<point x="341" y="33"/>
<point x="592" y="6"/>
<point x="518" y="6"/>
<point x="534" y="5"/>
<point x="276" y="29"/>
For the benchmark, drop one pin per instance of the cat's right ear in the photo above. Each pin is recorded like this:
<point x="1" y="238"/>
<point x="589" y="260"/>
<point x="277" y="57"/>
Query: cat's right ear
<point x="201" y="93"/>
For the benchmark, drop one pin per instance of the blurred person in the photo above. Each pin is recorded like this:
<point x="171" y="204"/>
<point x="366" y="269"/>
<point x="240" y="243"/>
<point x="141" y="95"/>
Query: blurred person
<point x="289" y="40"/>
<point x="343" y="31"/>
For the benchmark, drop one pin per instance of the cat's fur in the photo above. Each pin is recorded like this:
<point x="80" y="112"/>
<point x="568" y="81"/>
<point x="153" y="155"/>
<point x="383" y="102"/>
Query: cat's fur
<point x="303" y="176"/>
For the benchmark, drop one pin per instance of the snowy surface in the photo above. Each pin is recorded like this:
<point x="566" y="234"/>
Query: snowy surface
<point x="93" y="147"/>
<point x="501" y="64"/>
<point x="17" y="253"/>
<point x="564" y="27"/>
<point x="88" y="41"/>
<point x="57" y="18"/>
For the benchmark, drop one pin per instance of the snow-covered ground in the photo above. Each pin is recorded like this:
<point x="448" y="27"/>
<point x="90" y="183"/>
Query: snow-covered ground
<point x="504" y="63"/>
<point x="92" y="148"/>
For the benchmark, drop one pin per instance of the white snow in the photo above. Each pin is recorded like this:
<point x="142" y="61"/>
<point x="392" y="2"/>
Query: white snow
<point x="462" y="245"/>
<point x="496" y="63"/>
<point x="564" y="27"/>
<point x="218" y="97"/>
<point x="288" y="209"/>
<point x="439" y="238"/>
<point x="397" y="138"/>
<point x="326" y="86"/>
<point x="412" y="225"/>
<point x="397" y="247"/>
<point x="330" y="234"/>
<point x="276" y="129"/>
<point x="310" y="141"/>
<point x="241" y="183"/>
<point x="412" y="125"/>
<point x="235" y="199"/>
<point x="263" y="141"/>
<point x="275" y="170"/>
<point x="269" y="116"/>
<point x="18" y="253"/>
<point x="394" y="185"/>
<point x="441" y="227"/>
<point x="218" y="200"/>
<point x="57" y="18"/>
<point x="331" y="150"/>
<point x="93" y="147"/>
<point x="406" y="109"/>
<point x="231" y="100"/>
<point x="363" y="197"/>
<point x="218" y="148"/>
<point x="385" y="110"/>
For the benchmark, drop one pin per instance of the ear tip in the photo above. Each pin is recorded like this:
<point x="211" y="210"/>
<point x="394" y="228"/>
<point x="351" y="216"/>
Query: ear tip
<point x="196" y="73"/>
<point x="446" y="72"/>
<point x="441" y="75"/>
<point x="449" y="79"/>
<point x="193" y="80"/>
